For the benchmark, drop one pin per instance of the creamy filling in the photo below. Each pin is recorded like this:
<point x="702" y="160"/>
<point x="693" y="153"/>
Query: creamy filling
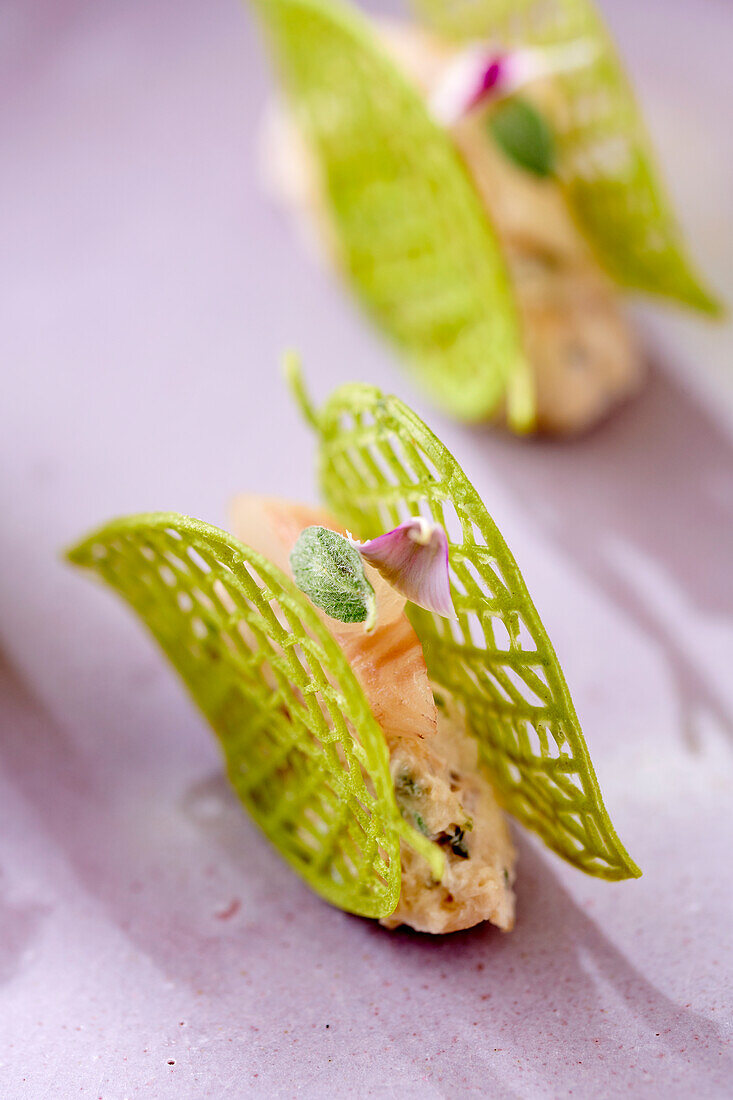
<point x="443" y="792"/>
<point x="440" y="787"/>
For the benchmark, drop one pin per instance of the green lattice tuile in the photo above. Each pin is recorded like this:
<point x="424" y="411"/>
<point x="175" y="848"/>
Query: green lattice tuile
<point x="303" y="749"/>
<point x="412" y="232"/>
<point x="378" y="465"/>
<point x="605" y="163"/>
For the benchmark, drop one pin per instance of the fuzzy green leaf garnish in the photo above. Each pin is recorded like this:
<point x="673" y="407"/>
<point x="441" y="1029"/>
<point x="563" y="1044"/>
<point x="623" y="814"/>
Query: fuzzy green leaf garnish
<point x="331" y="573"/>
<point x="303" y="749"/>
<point x="379" y="463"/>
<point x="412" y="232"/>
<point x="605" y="163"/>
<point x="524" y="135"/>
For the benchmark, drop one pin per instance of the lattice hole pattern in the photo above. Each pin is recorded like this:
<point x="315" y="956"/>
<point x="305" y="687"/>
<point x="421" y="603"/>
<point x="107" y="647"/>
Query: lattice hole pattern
<point x="497" y="661"/>
<point x="303" y="750"/>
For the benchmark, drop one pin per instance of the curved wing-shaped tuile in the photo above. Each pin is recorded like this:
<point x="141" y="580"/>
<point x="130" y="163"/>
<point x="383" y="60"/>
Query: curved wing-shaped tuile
<point x="411" y="230"/>
<point x="604" y="157"/>
<point x="380" y="464"/>
<point x="303" y="750"/>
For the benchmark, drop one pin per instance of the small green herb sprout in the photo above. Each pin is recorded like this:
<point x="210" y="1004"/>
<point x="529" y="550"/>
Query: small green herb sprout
<point x="524" y="136"/>
<point x="331" y="573"/>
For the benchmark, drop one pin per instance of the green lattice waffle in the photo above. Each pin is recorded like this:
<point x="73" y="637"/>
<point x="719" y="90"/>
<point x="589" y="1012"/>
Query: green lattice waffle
<point x="303" y="750"/>
<point x="379" y="464"/>
<point x="604" y="157"/>
<point x="412" y="233"/>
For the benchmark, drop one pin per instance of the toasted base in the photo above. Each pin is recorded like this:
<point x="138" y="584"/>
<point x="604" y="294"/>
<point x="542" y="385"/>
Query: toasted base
<point x="444" y="793"/>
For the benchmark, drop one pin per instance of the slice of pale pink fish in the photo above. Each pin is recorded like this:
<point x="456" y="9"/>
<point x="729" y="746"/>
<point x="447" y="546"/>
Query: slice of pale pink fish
<point x="438" y="783"/>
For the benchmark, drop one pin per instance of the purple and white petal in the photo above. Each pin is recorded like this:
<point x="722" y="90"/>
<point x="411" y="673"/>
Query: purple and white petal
<point x="413" y="558"/>
<point x="479" y="73"/>
<point x="458" y="88"/>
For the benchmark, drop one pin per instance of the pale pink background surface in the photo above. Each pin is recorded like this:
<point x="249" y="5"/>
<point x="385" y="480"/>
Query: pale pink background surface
<point x="150" y="943"/>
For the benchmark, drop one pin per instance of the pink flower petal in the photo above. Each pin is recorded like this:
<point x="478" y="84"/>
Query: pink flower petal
<point x="414" y="560"/>
<point x="480" y="72"/>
